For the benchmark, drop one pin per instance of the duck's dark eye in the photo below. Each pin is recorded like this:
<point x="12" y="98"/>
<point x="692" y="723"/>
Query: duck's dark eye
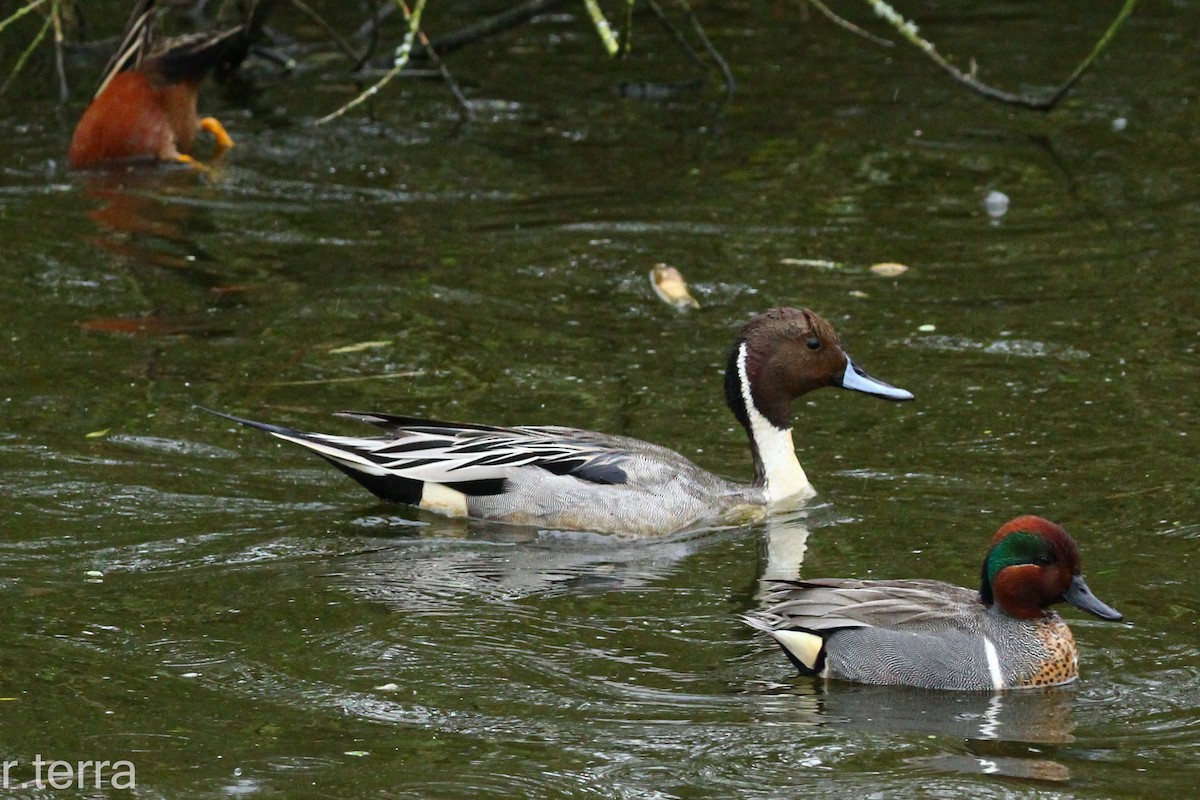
<point x="813" y="343"/>
<point x="1045" y="560"/>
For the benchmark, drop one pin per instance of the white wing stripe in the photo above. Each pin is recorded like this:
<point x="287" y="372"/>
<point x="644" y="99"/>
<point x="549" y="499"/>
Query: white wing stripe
<point x="452" y="455"/>
<point x="347" y="457"/>
<point x="993" y="662"/>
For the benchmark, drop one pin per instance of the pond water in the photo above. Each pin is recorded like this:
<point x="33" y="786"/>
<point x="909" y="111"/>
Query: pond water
<point x="236" y="618"/>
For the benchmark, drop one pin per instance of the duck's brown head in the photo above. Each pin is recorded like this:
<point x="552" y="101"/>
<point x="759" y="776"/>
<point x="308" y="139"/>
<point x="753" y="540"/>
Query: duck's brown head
<point x="1033" y="563"/>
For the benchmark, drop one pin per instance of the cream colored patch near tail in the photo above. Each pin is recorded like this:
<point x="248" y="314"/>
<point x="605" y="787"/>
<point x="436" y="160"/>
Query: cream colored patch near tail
<point x="806" y="647"/>
<point x="444" y="500"/>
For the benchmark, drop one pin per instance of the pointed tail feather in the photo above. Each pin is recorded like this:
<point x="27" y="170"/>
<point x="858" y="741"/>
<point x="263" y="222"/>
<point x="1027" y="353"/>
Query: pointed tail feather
<point x="262" y="426"/>
<point x="383" y="483"/>
<point x="318" y="443"/>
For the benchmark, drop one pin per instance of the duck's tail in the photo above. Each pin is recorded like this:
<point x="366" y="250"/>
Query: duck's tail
<point x="341" y="453"/>
<point x="135" y="45"/>
<point x="804" y="649"/>
<point x="185" y="58"/>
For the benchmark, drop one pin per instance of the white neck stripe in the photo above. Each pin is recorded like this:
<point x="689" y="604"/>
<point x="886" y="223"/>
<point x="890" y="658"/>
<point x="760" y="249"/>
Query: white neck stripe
<point x="785" y="477"/>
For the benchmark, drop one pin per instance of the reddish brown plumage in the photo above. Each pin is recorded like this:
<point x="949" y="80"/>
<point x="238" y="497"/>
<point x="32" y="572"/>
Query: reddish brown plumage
<point x="148" y="111"/>
<point x="1039" y="526"/>
<point x="136" y="117"/>
<point x="1025" y="590"/>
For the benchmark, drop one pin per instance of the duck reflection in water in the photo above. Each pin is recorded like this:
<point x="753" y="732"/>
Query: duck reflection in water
<point x="137" y="220"/>
<point x="503" y="563"/>
<point x="995" y="734"/>
<point x="150" y="237"/>
<point x="500" y="562"/>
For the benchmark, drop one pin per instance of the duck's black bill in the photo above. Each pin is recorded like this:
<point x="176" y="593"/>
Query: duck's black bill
<point x="1079" y="595"/>
<point x="857" y="379"/>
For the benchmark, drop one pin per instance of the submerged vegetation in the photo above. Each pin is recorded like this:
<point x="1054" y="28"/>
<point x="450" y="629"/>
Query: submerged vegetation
<point x="392" y="36"/>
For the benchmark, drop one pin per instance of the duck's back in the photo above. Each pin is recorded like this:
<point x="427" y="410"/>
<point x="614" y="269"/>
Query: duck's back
<point x="126" y="122"/>
<point x="544" y="476"/>
<point x="635" y="488"/>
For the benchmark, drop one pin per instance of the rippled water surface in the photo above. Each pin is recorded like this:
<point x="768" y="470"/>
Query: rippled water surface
<point x="238" y="619"/>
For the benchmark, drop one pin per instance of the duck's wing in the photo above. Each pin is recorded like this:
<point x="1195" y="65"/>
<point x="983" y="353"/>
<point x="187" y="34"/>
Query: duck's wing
<point x="803" y="615"/>
<point x="473" y="459"/>
<point x="826" y="604"/>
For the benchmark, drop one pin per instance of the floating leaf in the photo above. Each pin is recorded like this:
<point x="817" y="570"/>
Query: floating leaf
<point x="889" y="269"/>
<point x="810" y="262"/>
<point x="669" y="285"/>
<point x="96" y="434"/>
<point x="354" y="348"/>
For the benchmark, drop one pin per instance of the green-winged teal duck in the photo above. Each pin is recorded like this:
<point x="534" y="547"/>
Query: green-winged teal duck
<point x="935" y="635"/>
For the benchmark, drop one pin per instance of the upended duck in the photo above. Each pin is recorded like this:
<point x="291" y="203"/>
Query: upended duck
<point x="936" y="635"/>
<point x="569" y="479"/>
<point x="145" y="109"/>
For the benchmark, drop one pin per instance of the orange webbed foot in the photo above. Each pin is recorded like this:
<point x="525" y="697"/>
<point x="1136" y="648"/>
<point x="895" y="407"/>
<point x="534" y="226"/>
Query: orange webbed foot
<point x="199" y="166"/>
<point x="213" y="126"/>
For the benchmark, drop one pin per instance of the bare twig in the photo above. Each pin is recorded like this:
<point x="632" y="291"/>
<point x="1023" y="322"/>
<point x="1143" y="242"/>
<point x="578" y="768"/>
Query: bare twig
<point x="20" y="12"/>
<point x="451" y="84"/>
<point x="1122" y="15"/>
<point x="372" y="34"/>
<point x="385" y="376"/>
<point x="497" y="23"/>
<point x="714" y="54"/>
<point x="342" y="44"/>
<point x="135" y="43"/>
<point x="56" y="15"/>
<point x="842" y="22"/>
<point x="603" y="29"/>
<point x="686" y="46"/>
<point x="676" y="34"/>
<point x="909" y="31"/>
<point x="16" y="70"/>
<point x="399" y="61"/>
<point x="371" y="26"/>
<point x="625" y="40"/>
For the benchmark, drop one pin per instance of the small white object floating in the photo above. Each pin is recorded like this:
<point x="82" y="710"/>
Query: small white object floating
<point x="889" y="269"/>
<point x="810" y="262"/>
<point x="996" y="204"/>
<point x="668" y="284"/>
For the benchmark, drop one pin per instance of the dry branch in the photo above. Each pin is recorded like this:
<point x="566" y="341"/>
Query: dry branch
<point x="909" y="31"/>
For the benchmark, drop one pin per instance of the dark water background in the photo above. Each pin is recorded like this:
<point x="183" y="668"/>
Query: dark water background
<point x="238" y="619"/>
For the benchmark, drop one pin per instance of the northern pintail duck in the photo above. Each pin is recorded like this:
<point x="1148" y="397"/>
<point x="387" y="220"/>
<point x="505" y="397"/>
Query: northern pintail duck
<point x="939" y="636"/>
<point x="570" y="479"/>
